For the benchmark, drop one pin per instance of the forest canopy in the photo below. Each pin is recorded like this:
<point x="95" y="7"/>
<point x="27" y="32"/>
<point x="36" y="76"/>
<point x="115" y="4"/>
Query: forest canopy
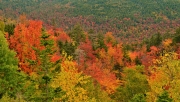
<point x="89" y="51"/>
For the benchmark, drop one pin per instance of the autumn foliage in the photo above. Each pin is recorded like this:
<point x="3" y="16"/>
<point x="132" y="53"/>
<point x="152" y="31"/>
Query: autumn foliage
<point x="25" y="38"/>
<point x="64" y="66"/>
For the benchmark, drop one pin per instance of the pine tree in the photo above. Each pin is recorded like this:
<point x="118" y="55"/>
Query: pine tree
<point x="10" y="79"/>
<point x="46" y="64"/>
<point x="134" y="83"/>
<point x="77" y="34"/>
<point x="39" y="89"/>
<point x="164" y="97"/>
<point x="9" y="28"/>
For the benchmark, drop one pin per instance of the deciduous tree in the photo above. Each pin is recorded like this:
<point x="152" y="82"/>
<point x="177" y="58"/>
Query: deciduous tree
<point x="23" y="40"/>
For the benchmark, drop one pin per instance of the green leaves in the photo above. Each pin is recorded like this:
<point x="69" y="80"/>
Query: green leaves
<point x="42" y="78"/>
<point x="138" y="98"/>
<point x="10" y="80"/>
<point x="134" y="82"/>
<point x="9" y="28"/>
<point x="164" y="97"/>
<point x="77" y="34"/>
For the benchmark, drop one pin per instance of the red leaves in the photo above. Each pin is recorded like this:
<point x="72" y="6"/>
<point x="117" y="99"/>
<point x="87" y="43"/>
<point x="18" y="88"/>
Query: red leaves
<point x="87" y="48"/>
<point x="60" y="35"/>
<point x="25" y="38"/>
<point x="103" y="76"/>
<point x="55" y="57"/>
<point x="101" y="68"/>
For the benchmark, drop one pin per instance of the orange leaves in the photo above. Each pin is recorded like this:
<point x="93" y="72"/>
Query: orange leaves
<point x="55" y="57"/>
<point x="167" y="42"/>
<point x="101" y="68"/>
<point x="112" y="56"/>
<point x="25" y="38"/>
<point x="103" y="76"/>
<point x="118" y="53"/>
<point x="61" y="36"/>
<point x="133" y="55"/>
<point x="111" y="51"/>
<point x="153" y="52"/>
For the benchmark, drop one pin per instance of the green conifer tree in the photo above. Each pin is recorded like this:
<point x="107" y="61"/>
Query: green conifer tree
<point x="164" y="97"/>
<point x="39" y="89"/>
<point x="10" y="79"/>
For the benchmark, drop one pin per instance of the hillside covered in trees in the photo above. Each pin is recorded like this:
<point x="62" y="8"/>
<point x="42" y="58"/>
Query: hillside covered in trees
<point x="89" y="51"/>
<point x="125" y="18"/>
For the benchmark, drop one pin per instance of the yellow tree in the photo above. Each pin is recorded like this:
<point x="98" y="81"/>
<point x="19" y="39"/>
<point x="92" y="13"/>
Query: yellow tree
<point x="76" y="87"/>
<point x="70" y="81"/>
<point x="165" y="77"/>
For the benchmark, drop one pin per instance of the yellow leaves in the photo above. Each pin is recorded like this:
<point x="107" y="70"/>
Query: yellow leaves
<point x="70" y="80"/>
<point x="7" y="98"/>
<point x="166" y="76"/>
<point x="156" y="81"/>
<point x="83" y="79"/>
<point x="109" y="38"/>
<point x="74" y="43"/>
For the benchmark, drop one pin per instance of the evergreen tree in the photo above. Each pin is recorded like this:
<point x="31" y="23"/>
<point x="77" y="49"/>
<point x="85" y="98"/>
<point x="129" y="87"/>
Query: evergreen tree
<point x="68" y="47"/>
<point x="155" y="40"/>
<point x="134" y="83"/>
<point x="176" y="38"/>
<point x="9" y="28"/>
<point x="100" y="42"/>
<point x="77" y="34"/>
<point x="10" y="79"/>
<point x="164" y="97"/>
<point x="39" y="88"/>
<point x="46" y="64"/>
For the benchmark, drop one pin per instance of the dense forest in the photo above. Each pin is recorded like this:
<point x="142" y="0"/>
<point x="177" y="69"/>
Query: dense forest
<point x="125" y="18"/>
<point x="89" y="51"/>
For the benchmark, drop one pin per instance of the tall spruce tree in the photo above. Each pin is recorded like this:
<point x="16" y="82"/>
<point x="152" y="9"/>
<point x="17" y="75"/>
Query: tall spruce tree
<point x="10" y="79"/>
<point x="46" y="65"/>
<point x="39" y="89"/>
